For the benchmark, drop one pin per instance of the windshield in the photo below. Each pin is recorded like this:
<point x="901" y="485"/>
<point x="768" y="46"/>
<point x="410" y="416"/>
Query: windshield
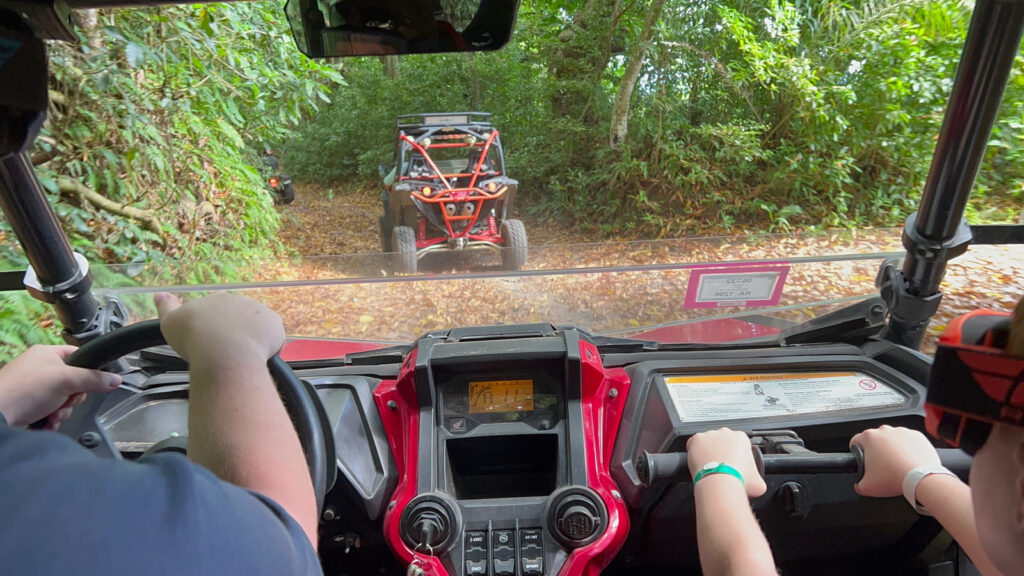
<point x="670" y="171"/>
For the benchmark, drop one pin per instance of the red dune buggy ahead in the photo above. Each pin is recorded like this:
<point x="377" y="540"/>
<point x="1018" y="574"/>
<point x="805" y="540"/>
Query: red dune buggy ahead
<point x="448" y="191"/>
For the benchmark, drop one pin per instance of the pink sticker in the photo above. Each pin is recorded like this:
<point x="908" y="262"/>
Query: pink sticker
<point x="736" y="285"/>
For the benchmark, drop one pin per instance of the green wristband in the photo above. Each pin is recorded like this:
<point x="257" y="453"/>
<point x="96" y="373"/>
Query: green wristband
<point x="718" y="468"/>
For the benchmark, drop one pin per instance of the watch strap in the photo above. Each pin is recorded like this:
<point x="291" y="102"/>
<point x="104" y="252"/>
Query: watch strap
<point x="914" y="477"/>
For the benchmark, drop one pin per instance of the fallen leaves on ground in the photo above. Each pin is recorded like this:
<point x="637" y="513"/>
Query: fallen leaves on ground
<point x="337" y="236"/>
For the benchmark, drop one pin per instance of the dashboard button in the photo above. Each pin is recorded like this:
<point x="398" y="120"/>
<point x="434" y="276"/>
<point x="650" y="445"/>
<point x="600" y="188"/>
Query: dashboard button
<point x="503" y="539"/>
<point x="504" y="567"/>
<point x="476" y="541"/>
<point x="476" y="567"/>
<point x="533" y="566"/>
<point x="530" y="537"/>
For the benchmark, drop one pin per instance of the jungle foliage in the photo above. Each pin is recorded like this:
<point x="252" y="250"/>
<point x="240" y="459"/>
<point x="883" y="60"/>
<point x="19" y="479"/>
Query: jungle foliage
<point x="655" y="117"/>
<point x="151" y="145"/>
<point x="742" y="115"/>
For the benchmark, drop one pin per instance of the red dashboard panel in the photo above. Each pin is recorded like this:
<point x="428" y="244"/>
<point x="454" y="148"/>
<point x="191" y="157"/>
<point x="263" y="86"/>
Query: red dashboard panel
<point x="604" y="395"/>
<point x="399" y="412"/>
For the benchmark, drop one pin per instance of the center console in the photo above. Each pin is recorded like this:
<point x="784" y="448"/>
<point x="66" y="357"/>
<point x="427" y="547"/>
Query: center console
<point x="494" y="480"/>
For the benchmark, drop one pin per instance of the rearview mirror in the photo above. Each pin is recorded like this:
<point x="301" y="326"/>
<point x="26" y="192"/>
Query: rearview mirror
<point x="338" y="28"/>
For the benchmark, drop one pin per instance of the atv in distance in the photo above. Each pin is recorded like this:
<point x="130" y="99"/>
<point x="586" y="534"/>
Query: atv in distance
<point x="280" y="185"/>
<point x="447" y="190"/>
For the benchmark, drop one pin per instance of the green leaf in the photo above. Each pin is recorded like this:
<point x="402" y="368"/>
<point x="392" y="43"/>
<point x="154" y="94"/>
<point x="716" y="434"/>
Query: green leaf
<point x="134" y="54"/>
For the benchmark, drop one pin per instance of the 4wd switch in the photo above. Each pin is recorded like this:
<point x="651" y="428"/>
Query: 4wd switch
<point x="476" y="553"/>
<point x="476" y="541"/>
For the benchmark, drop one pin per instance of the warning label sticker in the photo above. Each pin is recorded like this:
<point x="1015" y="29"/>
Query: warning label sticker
<point x="718" y="397"/>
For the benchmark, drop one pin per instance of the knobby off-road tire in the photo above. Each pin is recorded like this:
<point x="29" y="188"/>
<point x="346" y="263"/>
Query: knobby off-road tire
<point x="288" y="196"/>
<point x="403" y="242"/>
<point x="513" y="253"/>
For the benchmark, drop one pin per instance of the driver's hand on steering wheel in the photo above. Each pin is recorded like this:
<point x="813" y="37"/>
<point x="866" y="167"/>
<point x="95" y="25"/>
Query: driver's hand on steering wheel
<point x="38" y="385"/>
<point x="889" y="454"/>
<point x="728" y="447"/>
<point x="221" y="328"/>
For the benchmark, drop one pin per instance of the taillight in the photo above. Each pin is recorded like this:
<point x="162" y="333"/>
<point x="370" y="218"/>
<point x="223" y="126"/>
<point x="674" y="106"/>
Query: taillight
<point x="273" y="182"/>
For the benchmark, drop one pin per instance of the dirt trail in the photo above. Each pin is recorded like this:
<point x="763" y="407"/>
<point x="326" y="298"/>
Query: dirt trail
<point x="334" y="221"/>
<point x="343" y="225"/>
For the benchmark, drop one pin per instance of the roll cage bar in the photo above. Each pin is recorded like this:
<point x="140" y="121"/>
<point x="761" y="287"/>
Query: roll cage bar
<point x="412" y="129"/>
<point x="933" y="235"/>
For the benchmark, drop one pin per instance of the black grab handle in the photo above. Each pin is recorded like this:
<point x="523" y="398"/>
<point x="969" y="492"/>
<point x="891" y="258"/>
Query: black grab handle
<point x="672" y="467"/>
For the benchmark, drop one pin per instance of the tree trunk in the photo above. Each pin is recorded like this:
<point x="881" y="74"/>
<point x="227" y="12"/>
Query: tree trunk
<point x="696" y="112"/>
<point x="634" y="63"/>
<point x="476" y="89"/>
<point x="390" y="66"/>
<point x="89" y="20"/>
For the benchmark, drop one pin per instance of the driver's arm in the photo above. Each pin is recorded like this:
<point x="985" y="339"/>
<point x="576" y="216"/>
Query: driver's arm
<point x="238" y="428"/>
<point x="729" y="539"/>
<point x="67" y="511"/>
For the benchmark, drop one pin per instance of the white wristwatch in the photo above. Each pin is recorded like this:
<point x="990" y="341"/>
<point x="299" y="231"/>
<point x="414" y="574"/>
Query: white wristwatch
<point x="914" y="477"/>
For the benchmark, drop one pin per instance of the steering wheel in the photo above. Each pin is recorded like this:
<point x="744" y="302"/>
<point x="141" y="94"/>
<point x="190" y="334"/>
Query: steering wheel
<point x="299" y="398"/>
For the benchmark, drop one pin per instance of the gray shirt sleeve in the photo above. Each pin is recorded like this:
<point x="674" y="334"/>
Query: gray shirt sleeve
<point x="66" y="511"/>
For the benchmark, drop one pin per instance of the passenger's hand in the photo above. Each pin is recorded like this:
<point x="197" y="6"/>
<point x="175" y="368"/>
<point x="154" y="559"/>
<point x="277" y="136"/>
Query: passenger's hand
<point x="728" y="447"/>
<point x="38" y="384"/>
<point x="889" y="454"/>
<point x="219" y="329"/>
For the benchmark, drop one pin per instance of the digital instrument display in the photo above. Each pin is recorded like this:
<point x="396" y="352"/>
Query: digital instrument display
<point x="500" y="396"/>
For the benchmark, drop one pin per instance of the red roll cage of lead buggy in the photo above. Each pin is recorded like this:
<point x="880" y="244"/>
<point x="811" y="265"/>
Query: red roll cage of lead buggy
<point x="448" y="191"/>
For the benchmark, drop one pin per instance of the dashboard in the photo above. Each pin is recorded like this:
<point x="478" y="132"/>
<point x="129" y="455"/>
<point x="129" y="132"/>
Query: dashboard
<point x="517" y="451"/>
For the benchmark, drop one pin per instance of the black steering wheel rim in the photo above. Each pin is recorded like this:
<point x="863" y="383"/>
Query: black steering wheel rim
<point x="299" y="398"/>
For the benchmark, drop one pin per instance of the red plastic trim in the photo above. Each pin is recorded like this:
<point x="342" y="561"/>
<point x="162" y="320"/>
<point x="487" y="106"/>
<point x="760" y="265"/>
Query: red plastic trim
<point x="321" y="349"/>
<point x="604" y="397"/>
<point x="602" y="411"/>
<point x="402" y="427"/>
